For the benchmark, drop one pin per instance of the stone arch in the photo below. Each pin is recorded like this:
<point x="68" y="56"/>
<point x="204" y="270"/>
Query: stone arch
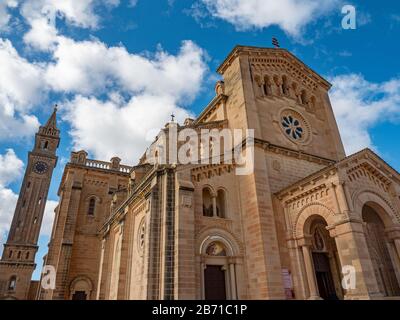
<point x="216" y="234"/>
<point x="209" y="187"/>
<point x="309" y="210"/>
<point x="220" y="264"/>
<point x="81" y="284"/>
<point x="378" y="202"/>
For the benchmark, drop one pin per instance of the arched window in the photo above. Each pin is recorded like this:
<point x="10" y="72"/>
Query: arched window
<point x="221" y="204"/>
<point x="267" y="86"/>
<point x="12" y="284"/>
<point x="45" y="145"/>
<point x="91" y="207"/>
<point x="19" y="255"/>
<point x="207" y="203"/>
<point x="285" y="86"/>
<point x="10" y="254"/>
<point x="27" y="255"/>
<point x="303" y="97"/>
<point x="313" y="102"/>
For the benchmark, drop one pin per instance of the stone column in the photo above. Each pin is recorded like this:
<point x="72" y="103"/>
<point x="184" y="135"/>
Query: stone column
<point x="397" y="246"/>
<point x="103" y="245"/>
<point x="395" y="259"/>
<point x="214" y="204"/>
<point x="393" y="235"/>
<point x="309" y="264"/>
<point x="353" y="253"/>
<point x="202" y="280"/>
<point x="232" y="280"/>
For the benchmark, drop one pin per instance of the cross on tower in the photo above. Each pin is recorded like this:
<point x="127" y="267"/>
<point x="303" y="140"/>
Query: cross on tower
<point x="172" y="117"/>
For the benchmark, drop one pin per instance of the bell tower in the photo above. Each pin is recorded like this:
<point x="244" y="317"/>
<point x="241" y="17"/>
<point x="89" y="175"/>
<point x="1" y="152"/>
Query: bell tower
<point x="18" y="260"/>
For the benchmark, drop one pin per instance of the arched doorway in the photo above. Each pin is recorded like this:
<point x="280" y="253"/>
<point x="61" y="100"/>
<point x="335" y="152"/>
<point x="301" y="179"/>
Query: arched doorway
<point x="218" y="269"/>
<point x="321" y="260"/>
<point x="377" y="243"/>
<point x="324" y="254"/>
<point x="214" y="275"/>
<point x="81" y="288"/>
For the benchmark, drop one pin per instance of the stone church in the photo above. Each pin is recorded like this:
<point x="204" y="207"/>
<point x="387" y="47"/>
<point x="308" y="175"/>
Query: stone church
<point x="291" y="229"/>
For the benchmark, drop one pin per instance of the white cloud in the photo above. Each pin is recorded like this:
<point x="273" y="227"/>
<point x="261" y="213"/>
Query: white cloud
<point x="10" y="167"/>
<point x="359" y="105"/>
<point x="90" y="67"/>
<point x="15" y="71"/>
<point x="42" y="35"/>
<point x="42" y="15"/>
<point x="115" y="128"/>
<point x="5" y="16"/>
<point x="8" y="200"/>
<point x="155" y="84"/>
<point x="290" y="15"/>
<point x="10" y="170"/>
<point x="20" y="89"/>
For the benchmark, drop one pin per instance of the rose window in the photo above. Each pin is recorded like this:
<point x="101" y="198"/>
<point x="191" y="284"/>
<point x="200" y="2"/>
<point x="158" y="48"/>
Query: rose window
<point x="293" y="127"/>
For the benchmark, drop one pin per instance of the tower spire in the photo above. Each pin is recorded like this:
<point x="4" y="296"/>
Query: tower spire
<point x="52" y="122"/>
<point x="50" y="128"/>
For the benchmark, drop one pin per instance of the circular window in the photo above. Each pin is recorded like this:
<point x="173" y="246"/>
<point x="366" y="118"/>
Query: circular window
<point x="141" y="235"/>
<point x="294" y="126"/>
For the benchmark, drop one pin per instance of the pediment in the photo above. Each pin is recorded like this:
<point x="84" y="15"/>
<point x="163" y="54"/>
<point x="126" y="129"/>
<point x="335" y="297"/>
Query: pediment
<point x="367" y="165"/>
<point x="277" y="60"/>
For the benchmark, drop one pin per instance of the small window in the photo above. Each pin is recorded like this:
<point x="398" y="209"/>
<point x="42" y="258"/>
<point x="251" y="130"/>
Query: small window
<point x="28" y="185"/>
<point x="221" y="204"/>
<point x="267" y="86"/>
<point x="13" y="283"/>
<point x="27" y="255"/>
<point x="285" y="86"/>
<point x="303" y="97"/>
<point x="40" y="201"/>
<point x="46" y="145"/>
<point x="207" y="203"/>
<point x="19" y="255"/>
<point x="92" y="207"/>
<point x="10" y="254"/>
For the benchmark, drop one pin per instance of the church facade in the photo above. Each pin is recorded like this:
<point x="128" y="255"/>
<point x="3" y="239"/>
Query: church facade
<point x="308" y="222"/>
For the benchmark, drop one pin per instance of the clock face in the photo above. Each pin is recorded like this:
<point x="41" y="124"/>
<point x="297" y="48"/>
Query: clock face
<point x="40" y="167"/>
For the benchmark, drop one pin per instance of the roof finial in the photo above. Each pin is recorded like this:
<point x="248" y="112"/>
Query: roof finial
<point x="172" y="117"/>
<point x="55" y="107"/>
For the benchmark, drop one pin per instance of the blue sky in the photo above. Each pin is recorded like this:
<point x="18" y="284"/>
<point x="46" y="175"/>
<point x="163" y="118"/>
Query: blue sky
<point x="129" y="64"/>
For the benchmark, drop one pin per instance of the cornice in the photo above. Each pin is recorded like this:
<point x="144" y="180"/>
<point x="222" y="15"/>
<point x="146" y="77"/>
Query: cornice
<point x="273" y="53"/>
